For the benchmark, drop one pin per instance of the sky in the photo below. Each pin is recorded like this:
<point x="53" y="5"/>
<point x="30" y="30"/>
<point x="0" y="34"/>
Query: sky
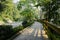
<point x="15" y="1"/>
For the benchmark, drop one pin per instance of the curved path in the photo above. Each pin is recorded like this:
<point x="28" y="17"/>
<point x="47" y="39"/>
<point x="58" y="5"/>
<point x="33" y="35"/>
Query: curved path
<point x="35" y="32"/>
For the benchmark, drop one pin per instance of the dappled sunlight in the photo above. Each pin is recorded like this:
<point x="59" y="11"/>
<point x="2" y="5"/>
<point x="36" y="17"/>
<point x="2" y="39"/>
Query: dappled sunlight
<point x="29" y="19"/>
<point x="27" y="31"/>
<point x="43" y="32"/>
<point x="31" y="30"/>
<point x="35" y="32"/>
<point x="39" y="33"/>
<point x="45" y="36"/>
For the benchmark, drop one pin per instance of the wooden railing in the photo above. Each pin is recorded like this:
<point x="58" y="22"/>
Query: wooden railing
<point x="51" y="25"/>
<point x="52" y="29"/>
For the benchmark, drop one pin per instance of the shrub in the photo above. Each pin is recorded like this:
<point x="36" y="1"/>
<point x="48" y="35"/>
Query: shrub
<point x="17" y="29"/>
<point x="5" y="31"/>
<point x="26" y="23"/>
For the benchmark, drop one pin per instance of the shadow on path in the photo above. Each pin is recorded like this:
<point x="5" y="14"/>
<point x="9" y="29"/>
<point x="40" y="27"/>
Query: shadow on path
<point x="35" y="32"/>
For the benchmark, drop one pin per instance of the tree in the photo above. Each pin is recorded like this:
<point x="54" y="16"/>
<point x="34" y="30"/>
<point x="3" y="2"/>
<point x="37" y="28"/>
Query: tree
<point x="28" y="14"/>
<point x="50" y="7"/>
<point x="26" y="10"/>
<point x="5" y="5"/>
<point x="8" y="10"/>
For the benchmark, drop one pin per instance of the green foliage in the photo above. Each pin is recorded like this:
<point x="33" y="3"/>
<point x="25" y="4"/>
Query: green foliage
<point x="27" y="23"/>
<point x="50" y="7"/>
<point x="8" y="10"/>
<point x="26" y="10"/>
<point x="4" y="4"/>
<point x="17" y="29"/>
<point x="6" y="31"/>
<point x="27" y="13"/>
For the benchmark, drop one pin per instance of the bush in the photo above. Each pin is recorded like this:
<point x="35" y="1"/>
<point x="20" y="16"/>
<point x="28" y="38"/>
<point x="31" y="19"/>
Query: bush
<point x="26" y="23"/>
<point x="5" y="31"/>
<point x="17" y="29"/>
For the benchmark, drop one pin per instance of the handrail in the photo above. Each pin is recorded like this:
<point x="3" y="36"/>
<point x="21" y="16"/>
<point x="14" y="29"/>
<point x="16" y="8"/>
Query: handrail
<point x="54" y="27"/>
<point x="51" y="25"/>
